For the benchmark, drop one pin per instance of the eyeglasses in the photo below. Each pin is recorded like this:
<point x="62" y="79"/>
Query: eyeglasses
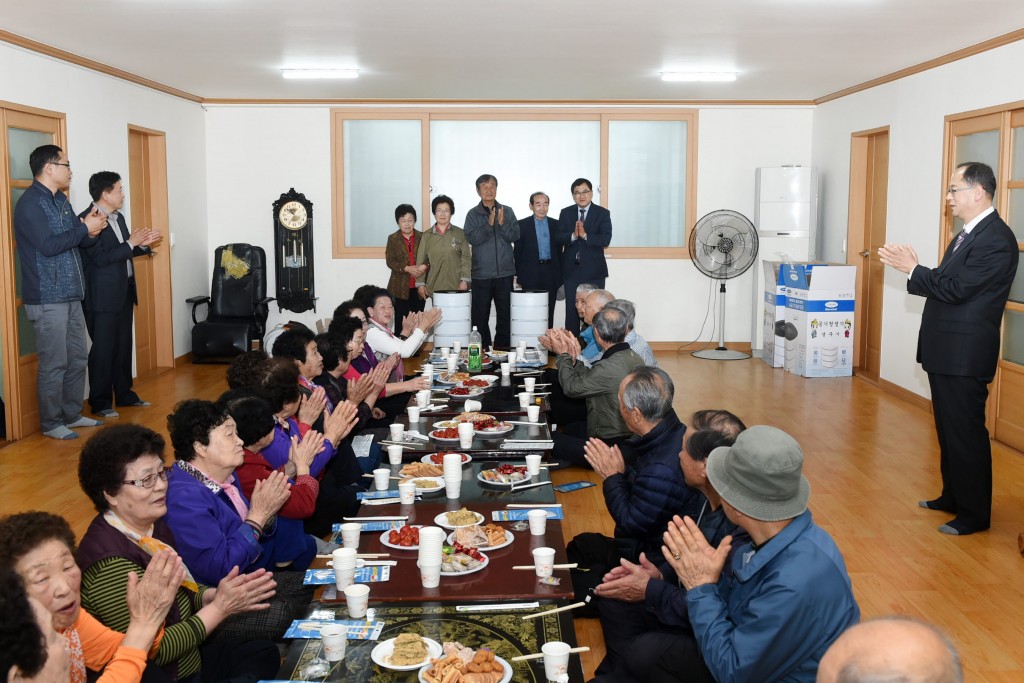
<point x="953" y="190"/>
<point x="149" y="482"/>
<point x="581" y="193"/>
<point x="57" y="163"/>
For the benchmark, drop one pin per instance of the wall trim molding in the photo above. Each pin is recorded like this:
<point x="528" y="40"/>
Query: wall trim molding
<point x="899" y="392"/>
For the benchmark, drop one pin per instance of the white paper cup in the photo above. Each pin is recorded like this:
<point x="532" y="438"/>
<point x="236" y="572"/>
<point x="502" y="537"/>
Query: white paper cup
<point x="343" y="558"/>
<point x="451" y="464"/>
<point x="473" y="406"/>
<point x="357" y="598"/>
<point x="556" y="659"/>
<point x="431" y="541"/>
<point x="530" y="382"/>
<point x="511" y="358"/>
<point x="397" y="431"/>
<point x="538" y="522"/>
<point x="521" y="348"/>
<point x="457" y="347"/>
<point x="543" y="558"/>
<point x="466" y="435"/>
<point x="533" y="413"/>
<point x="382" y="478"/>
<point x="422" y="398"/>
<point x="350" y="534"/>
<point x="428" y="371"/>
<point x="414" y="414"/>
<point x="525" y="399"/>
<point x="453" y="488"/>
<point x="333" y="641"/>
<point x="533" y="464"/>
<point x="445" y="352"/>
<point x="395" y="455"/>
<point x="407" y="492"/>
<point x="506" y="368"/>
<point x="452" y="362"/>
<point x="430" y="576"/>
<point x="343" y="578"/>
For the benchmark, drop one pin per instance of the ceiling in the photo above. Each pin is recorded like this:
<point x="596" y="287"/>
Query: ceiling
<point x="513" y="49"/>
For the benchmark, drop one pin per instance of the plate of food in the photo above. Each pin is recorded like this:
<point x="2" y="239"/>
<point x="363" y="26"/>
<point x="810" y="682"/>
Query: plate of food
<point x="475" y="383"/>
<point x="473" y="417"/>
<point x="450" y="434"/>
<point x="492" y="427"/>
<point x="406" y="652"/>
<point x="458" y="518"/>
<point x="461" y="393"/>
<point x="438" y="458"/>
<point x="483" y="538"/>
<point x="505" y="475"/>
<point x="427" y="484"/>
<point x="458" y="560"/>
<point x="421" y="469"/>
<point x="452" y="377"/>
<point x="403" y="538"/>
<point x="459" y="663"/>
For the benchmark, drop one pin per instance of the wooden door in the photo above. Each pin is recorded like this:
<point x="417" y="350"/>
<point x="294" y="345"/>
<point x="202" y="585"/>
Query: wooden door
<point x="24" y="129"/>
<point x="869" y="182"/>
<point x="147" y="199"/>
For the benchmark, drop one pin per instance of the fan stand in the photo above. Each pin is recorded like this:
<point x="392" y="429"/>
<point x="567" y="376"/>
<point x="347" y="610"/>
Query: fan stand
<point x="720" y="352"/>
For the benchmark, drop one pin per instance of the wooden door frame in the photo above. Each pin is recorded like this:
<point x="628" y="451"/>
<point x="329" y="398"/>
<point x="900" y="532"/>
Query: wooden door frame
<point x="159" y="219"/>
<point x="856" y="224"/>
<point x="8" y="305"/>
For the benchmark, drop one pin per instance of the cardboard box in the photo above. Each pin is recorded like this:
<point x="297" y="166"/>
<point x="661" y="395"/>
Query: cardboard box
<point x="820" y="300"/>
<point x="774" y="315"/>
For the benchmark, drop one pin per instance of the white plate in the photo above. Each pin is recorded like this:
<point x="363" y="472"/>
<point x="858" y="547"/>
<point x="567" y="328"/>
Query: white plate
<point x="473" y="393"/>
<point x="466" y="458"/>
<point x="384" y="649"/>
<point x="444" y="424"/>
<point x="384" y="540"/>
<point x="442" y="520"/>
<point x="509" y="537"/>
<point x="504" y="679"/>
<point x="438" y="481"/>
<point x="487" y="378"/>
<point x="474" y="570"/>
<point x="442" y="439"/>
<point x="497" y="431"/>
<point x="480" y="477"/>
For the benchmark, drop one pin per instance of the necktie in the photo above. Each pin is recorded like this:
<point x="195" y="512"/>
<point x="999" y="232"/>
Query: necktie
<point x="959" y="240"/>
<point x="583" y="216"/>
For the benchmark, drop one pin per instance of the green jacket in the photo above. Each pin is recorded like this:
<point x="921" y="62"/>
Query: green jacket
<point x="599" y="385"/>
<point x="449" y="257"/>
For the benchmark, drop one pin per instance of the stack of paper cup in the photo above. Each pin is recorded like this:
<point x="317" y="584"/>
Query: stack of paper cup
<point x="395" y="455"/>
<point x="538" y="521"/>
<point x="452" y="362"/>
<point x="357" y="598"/>
<point x="466" y="431"/>
<point x="344" y="560"/>
<point x="350" y="534"/>
<point x="452" y="465"/>
<point x="407" y="492"/>
<point x="543" y="559"/>
<point x="382" y="478"/>
<point x="556" y="660"/>
<point x="429" y="562"/>
<point x="533" y="464"/>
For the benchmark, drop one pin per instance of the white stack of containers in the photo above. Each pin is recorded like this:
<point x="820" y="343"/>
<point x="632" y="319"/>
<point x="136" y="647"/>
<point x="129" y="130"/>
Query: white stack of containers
<point x="529" y="316"/>
<point x="820" y="299"/>
<point x="455" y="323"/>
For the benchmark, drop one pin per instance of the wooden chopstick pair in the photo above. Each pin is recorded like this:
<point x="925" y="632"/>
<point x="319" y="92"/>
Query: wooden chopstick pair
<point x="524" y="567"/>
<point x="539" y="655"/>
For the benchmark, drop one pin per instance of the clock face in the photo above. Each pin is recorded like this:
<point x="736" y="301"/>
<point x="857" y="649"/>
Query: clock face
<point x="293" y="216"/>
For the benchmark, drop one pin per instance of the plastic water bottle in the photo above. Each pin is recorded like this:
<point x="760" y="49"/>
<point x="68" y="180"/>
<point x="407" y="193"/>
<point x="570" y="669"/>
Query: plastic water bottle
<point x="475" y="351"/>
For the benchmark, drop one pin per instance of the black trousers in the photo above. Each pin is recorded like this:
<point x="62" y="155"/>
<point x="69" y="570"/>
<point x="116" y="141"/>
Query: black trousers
<point x="239" y="662"/>
<point x="110" y="358"/>
<point x="572" y="319"/>
<point x="499" y="290"/>
<point x="403" y="307"/>
<point x="965" y="452"/>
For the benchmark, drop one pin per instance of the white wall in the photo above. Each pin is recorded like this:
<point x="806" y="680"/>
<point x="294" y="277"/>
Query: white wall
<point x="255" y="153"/>
<point x="914" y="108"/>
<point x="98" y="110"/>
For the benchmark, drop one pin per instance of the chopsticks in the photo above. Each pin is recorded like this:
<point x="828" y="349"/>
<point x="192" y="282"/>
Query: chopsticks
<point x="528" y="486"/>
<point x="523" y="658"/>
<point x="358" y="555"/>
<point x="370" y="476"/>
<point x="528" y="424"/>
<point x="554" y="611"/>
<point x="504" y="606"/>
<point x="524" y="567"/>
<point x="403" y="444"/>
<point x="533" y="505"/>
<point x="392" y="518"/>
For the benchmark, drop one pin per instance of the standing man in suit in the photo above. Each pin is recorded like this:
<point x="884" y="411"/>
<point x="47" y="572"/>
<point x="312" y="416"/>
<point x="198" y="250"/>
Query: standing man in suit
<point x="958" y="345"/>
<point x="538" y="252"/>
<point x="585" y="230"/>
<point x="491" y="229"/>
<point x="111" y="297"/>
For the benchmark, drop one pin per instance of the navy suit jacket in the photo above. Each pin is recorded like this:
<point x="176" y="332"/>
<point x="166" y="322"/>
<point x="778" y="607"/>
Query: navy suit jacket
<point x="529" y="272"/>
<point x="106" y="275"/>
<point x="598" y="226"/>
<point x="966" y="294"/>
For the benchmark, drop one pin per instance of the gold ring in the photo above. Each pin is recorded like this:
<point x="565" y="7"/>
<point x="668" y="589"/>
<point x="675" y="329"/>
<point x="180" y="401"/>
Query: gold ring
<point x="677" y="556"/>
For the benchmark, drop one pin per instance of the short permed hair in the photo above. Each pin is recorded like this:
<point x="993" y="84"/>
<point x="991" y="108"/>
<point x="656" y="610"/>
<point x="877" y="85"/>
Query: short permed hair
<point x="247" y="370"/>
<point x="106" y="456"/>
<point x="292" y="344"/>
<point x="344" y="311"/>
<point x="721" y="421"/>
<point x="281" y="383"/>
<point x="191" y="423"/>
<point x="22" y="643"/>
<point x="701" y="442"/>
<point x="442" y="199"/>
<point x="23" y="532"/>
<point x="253" y="418"/>
<point x="332" y="349"/>
<point x="403" y="209"/>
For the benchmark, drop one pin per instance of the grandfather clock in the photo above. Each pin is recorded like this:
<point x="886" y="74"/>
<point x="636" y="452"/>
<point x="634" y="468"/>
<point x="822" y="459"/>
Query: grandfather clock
<point x="293" y="252"/>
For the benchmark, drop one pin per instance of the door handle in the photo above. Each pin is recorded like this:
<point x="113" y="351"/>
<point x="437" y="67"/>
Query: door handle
<point x="865" y="253"/>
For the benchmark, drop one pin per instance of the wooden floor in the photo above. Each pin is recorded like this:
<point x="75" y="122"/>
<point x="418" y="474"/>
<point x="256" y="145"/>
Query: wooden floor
<point x="869" y="457"/>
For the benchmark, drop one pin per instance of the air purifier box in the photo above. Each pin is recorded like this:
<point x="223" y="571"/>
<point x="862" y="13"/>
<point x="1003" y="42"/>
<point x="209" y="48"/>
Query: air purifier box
<point x="820" y="299"/>
<point x="773" y="350"/>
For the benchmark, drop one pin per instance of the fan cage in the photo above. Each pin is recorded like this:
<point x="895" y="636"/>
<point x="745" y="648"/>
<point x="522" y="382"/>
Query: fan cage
<point x="723" y="244"/>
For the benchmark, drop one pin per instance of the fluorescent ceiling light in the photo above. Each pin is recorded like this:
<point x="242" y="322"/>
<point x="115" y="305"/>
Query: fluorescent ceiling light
<point x="320" y="73"/>
<point x="691" y="76"/>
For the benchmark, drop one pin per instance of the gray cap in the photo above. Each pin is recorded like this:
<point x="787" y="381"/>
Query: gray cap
<point x="760" y="475"/>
